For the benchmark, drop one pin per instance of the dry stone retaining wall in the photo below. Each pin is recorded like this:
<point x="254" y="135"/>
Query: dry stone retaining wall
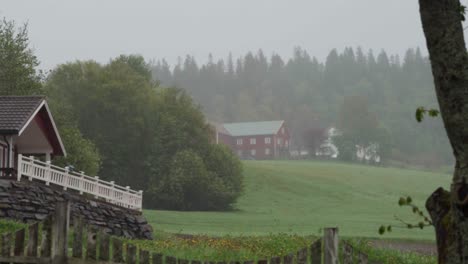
<point x="27" y="201"/>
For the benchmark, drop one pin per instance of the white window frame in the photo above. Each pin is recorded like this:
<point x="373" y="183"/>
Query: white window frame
<point x="267" y="151"/>
<point x="279" y="141"/>
<point x="253" y="152"/>
<point x="268" y="140"/>
<point x="239" y="141"/>
<point x="253" y="141"/>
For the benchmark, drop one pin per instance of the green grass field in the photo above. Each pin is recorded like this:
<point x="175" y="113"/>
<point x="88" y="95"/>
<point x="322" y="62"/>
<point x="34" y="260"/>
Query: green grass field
<point x="302" y="197"/>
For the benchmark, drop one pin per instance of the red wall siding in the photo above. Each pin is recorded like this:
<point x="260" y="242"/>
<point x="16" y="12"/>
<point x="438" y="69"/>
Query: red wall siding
<point x="244" y="150"/>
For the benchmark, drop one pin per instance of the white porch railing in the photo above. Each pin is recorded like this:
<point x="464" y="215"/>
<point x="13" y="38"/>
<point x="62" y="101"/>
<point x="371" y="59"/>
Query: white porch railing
<point x="112" y="193"/>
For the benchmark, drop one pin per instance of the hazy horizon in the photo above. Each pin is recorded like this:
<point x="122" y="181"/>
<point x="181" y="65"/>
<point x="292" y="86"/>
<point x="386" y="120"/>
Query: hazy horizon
<point x="99" y="30"/>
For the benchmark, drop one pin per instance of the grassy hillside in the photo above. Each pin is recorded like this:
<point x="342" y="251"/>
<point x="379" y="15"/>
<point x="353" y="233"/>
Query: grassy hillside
<point x="302" y="197"/>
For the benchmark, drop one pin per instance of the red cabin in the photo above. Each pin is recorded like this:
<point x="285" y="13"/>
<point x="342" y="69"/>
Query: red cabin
<point x="255" y="140"/>
<point x="26" y="127"/>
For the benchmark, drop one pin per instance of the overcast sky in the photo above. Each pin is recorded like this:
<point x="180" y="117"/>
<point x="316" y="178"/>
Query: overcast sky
<point x="62" y="31"/>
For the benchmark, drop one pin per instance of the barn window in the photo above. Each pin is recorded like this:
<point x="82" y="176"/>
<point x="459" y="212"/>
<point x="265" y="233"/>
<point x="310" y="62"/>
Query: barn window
<point x="239" y="141"/>
<point x="267" y="151"/>
<point x="267" y="140"/>
<point x="253" y="141"/>
<point x="286" y="143"/>
<point x="279" y="141"/>
<point x="253" y="152"/>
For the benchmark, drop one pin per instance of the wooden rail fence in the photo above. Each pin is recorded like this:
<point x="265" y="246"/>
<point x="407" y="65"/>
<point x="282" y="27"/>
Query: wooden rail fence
<point x="48" y="242"/>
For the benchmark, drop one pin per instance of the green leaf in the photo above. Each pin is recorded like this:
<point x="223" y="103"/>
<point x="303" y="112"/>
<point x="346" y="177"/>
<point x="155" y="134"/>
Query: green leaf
<point x="402" y="201"/>
<point x="409" y="200"/>
<point x="420" y="113"/>
<point x="433" y="112"/>
<point x="381" y="230"/>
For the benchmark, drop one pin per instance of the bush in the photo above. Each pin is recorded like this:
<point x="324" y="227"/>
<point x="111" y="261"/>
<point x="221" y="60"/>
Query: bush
<point x="192" y="185"/>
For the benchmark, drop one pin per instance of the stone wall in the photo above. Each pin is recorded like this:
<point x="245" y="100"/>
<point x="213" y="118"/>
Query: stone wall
<point x="27" y="201"/>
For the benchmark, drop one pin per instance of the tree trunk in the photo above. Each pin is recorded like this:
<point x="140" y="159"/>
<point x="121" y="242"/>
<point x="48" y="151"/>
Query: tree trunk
<point x="442" y="24"/>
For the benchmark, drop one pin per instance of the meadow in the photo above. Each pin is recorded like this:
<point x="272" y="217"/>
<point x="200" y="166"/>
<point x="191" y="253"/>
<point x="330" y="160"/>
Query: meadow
<point x="302" y="197"/>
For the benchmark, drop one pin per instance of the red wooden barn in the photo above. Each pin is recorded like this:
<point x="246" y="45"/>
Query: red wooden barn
<point x="255" y="140"/>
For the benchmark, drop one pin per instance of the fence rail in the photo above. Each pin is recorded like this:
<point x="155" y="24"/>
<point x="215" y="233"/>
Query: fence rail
<point x="47" y="243"/>
<point x="48" y="173"/>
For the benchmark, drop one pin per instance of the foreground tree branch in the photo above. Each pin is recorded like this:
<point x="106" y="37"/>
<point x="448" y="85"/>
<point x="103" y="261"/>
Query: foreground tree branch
<point x="442" y="24"/>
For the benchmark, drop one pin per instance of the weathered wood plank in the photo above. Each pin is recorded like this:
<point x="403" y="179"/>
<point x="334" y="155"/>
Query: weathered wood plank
<point x="331" y="245"/>
<point x="33" y="240"/>
<point x="60" y="225"/>
<point x="362" y="258"/>
<point x="131" y="254"/>
<point x="275" y="260"/>
<point x="6" y="246"/>
<point x="46" y="239"/>
<point x="157" y="258"/>
<point x="262" y="261"/>
<point x="184" y="261"/>
<point x="77" y="238"/>
<point x="347" y="254"/>
<point x="19" y="242"/>
<point x="302" y="256"/>
<point x="171" y="260"/>
<point x="288" y="259"/>
<point x="104" y="246"/>
<point x="316" y="252"/>
<point x="144" y="257"/>
<point x="91" y="250"/>
<point x="117" y="250"/>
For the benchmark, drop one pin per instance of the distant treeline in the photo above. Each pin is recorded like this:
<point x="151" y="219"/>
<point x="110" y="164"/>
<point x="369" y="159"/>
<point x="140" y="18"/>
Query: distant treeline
<point x="309" y="93"/>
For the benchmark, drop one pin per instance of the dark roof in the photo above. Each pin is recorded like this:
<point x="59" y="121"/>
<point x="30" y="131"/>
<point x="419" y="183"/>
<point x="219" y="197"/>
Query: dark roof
<point x="254" y="128"/>
<point x="15" y="111"/>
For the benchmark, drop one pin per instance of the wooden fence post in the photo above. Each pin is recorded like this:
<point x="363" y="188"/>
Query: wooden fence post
<point x="144" y="257"/>
<point x="60" y="232"/>
<point x="157" y="258"/>
<point x="316" y="252"/>
<point x="302" y="256"/>
<point x="46" y="239"/>
<point x="78" y="238"/>
<point x="347" y="254"/>
<point x="19" y="243"/>
<point x="117" y="250"/>
<point x="331" y="245"/>
<point x="289" y="259"/>
<point x="33" y="240"/>
<point x="104" y="246"/>
<point x="91" y="250"/>
<point x="362" y="258"/>
<point x="6" y="246"/>
<point x="131" y="254"/>
<point x="171" y="260"/>
<point x="275" y="260"/>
